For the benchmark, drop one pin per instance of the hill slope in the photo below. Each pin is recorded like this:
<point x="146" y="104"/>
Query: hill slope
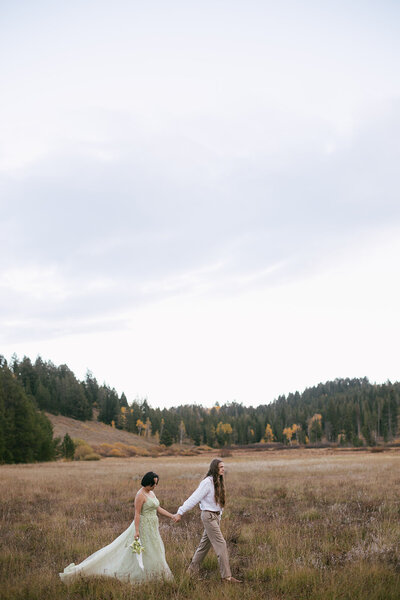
<point x="94" y="432"/>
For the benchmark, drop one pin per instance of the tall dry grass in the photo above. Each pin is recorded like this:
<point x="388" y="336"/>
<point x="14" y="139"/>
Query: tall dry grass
<point x="299" y="525"/>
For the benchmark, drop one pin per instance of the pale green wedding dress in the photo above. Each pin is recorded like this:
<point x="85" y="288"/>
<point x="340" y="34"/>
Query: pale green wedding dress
<point x="118" y="560"/>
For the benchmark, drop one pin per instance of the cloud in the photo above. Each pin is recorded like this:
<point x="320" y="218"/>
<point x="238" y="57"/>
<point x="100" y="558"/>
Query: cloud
<point x="167" y="154"/>
<point x="207" y="195"/>
<point x="88" y="238"/>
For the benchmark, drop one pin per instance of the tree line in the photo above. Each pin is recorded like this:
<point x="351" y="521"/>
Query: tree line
<point x="26" y="434"/>
<point x="344" y="411"/>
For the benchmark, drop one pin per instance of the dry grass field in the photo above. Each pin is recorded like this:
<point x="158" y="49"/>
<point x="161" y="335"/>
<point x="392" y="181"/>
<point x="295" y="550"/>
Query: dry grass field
<point x="313" y="524"/>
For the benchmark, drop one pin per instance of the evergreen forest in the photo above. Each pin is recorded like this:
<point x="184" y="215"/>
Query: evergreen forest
<point x="352" y="412"/>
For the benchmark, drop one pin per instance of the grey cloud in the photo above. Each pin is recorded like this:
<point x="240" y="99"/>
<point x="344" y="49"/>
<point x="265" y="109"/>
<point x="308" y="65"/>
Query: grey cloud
<point x="118" y="233"/>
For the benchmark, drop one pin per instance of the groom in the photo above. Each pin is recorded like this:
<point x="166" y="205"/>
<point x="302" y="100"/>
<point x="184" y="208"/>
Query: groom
<point x="211" y="496"/>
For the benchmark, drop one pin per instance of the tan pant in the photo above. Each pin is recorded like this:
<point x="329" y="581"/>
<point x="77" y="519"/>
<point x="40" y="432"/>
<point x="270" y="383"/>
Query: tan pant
<point x="212" y="536"/>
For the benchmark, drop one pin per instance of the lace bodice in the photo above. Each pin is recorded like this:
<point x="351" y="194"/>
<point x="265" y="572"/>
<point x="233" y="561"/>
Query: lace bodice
<point x="149" y="507"/>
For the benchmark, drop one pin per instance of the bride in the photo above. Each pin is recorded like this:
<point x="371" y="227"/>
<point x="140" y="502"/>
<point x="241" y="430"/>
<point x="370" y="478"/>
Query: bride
<point x="117" y="559"/>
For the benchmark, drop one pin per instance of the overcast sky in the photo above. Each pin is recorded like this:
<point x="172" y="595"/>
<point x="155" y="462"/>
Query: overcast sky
<point x="200" y="200"/>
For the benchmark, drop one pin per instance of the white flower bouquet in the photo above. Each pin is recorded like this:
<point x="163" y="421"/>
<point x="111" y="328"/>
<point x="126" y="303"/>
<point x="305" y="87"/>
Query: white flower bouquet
<point x="137" y="549"/>
<point x="136" y="546"/>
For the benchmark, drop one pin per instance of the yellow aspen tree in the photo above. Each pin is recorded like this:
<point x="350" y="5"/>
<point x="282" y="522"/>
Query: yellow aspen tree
<point x="122" y="418"/>
<point x="288" y="433"/>
<point x="223" y="432"/>
<point x="269" y="436"/>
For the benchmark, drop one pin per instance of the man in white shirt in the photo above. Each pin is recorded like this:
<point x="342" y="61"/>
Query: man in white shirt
<point x="211" y="496"/>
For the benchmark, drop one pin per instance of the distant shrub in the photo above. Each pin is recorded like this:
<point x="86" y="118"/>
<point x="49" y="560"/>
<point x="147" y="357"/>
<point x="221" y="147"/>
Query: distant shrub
<point x="123" y="448"/>
<point x="117" y="453"/>
<point x="174" y="449"/>
<point x="92" y="456"/>
<point x="120" y="450"/>
<point x="142" y="452"/>
<point x="171" y="451"/>
<point x="188" y="452"/>
<point x="195" y="450"/>
<point x="120" y="445"/>
<point x="105" y="449"/>
<point x="82" y="451"/>
<point x="132" y="450"/>
<point x="79" y="442"/>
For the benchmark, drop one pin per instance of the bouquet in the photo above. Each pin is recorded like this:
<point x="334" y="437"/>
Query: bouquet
<point x="136" y="546"/>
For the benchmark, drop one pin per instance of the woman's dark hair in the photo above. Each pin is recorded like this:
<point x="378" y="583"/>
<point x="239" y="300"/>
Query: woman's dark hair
<point x="219" y="484"/>
<point x="149" y="479"/>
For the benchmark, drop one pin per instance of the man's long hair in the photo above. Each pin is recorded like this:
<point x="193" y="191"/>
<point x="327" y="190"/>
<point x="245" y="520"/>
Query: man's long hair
<point x="219" y="483"/>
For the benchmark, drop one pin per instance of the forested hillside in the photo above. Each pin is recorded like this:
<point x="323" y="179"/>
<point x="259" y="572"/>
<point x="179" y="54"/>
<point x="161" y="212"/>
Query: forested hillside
<point x="344" y="411"/>
<point x="26" y="434"/>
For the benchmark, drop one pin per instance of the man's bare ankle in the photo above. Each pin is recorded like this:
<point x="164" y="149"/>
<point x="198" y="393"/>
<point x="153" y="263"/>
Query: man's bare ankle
<point x="232" y="580"/>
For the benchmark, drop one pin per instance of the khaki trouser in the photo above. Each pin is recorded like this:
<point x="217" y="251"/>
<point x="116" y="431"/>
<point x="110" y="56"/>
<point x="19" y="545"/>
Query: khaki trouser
<point x="212" y="536"/>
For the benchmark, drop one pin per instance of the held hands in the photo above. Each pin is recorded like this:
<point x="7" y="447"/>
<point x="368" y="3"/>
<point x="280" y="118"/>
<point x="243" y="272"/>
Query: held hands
<point x="176" y="518"/>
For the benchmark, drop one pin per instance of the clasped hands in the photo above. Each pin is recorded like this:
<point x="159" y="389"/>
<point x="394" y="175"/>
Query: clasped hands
<point x="176" y="518"/>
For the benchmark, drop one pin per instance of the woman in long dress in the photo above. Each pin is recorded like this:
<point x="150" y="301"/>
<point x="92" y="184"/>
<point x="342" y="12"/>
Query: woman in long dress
<point x="117" y="559"/>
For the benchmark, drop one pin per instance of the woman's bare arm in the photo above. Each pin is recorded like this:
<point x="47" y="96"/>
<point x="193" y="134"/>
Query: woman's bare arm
<point x="139" y="501"/>
<point x="165" y="513"/>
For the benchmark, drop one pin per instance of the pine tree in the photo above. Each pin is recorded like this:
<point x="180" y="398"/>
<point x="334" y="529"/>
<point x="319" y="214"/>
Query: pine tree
<point x="166" y="437"/>
<point x="68" y="447"/>
<point x="108" y="405"/>
<point x="123" y="401"/>
<point x="26" y="435"/>
<point x="91" y="388"/>
<point x="71" y="395"/>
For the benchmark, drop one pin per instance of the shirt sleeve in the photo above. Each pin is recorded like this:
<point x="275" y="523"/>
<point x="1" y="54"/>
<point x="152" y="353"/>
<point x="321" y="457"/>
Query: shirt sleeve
<point x="195" y="498"/>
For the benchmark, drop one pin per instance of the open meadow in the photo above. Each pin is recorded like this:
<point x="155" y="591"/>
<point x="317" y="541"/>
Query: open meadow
<point x="301" y="524"/>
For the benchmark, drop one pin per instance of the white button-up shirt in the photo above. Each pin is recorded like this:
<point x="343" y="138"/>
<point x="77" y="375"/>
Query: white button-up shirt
<point x="205" y="495"/>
